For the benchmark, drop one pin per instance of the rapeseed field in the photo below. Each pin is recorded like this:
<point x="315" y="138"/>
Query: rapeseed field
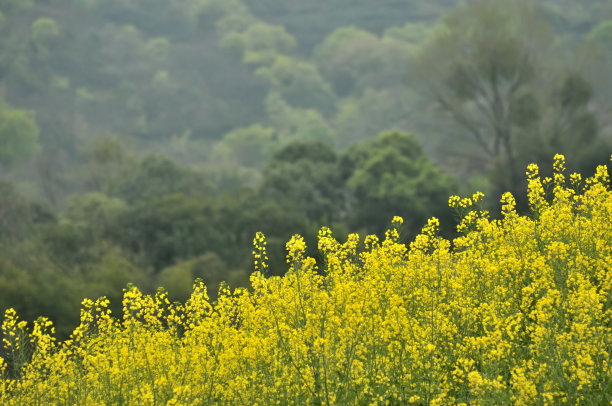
<point x="518" y="310"/>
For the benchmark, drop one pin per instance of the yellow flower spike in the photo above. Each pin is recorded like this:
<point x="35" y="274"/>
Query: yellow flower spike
<point x="477" y="197"/>
<point x="575" y="179"/>
<point x="559" y="163"/>
<point x="508" y="204"/>
<point x="559" y="177"/>
<point x="371" y="242"/>
<point x="350" y="246"/>
<point x="12" y="328"/>
<point x="532" y="171"/>
<point x="260" y="255"/>
<point x="601" y="175"/>
<point x="326" y="243"/>
<point x="432" y="228"/>
<point x="535" y="190"/>
<point x="391" y="236"/>
<point x="296" y="247"/>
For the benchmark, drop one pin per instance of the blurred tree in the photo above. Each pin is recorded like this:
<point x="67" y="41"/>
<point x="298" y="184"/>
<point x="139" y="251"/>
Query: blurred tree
<point x="480" y="65"/>
<point x="109" y="274"/>
<point x="53" y="175"/>
<point x="210" y="13"/>
<point x="293" y="124"/>
<point x="158" y="48"/>
<point x="44" y="32"/>
<point x="242" y="214"/>
<point x="259" y="44"/>
<point x="410" y="35"/>
<point x="372" y="112"/>
<point x="304" y="176"/>
<point x="601" y="34"/>
<point x="311" y="21"/>
<point x="93" y="213"/>
<point x="353" y="60"/>
<point x="346" y="55"/>
<point x="160" y="231"/>
<point x="574" y="126"/>
<point x="573" y="18"/>
<point x="15" y="212"/>
<point x="41" y="285"/>
<point x="390" y="175"/>
<point x="601" y="37"/>
<point x="18" y="135"/>
<point x="36" y="286"/>
<point x="10" y="5"/>
<point x="156" y="176"/>
<point x="107" y="158"/>
<point x="299" y="83"/>
<point x="249" y="147"/>
<point x="569" y="127"/>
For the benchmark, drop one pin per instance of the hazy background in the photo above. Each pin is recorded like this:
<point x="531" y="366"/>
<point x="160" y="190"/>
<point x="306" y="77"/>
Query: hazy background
<point x="147" y="141"/>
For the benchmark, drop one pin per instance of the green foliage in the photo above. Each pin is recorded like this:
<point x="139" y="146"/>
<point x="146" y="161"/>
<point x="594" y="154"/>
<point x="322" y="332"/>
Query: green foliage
<point x="18" y="135"/>
<point x="501" y="91"/>
<point x="391" y="174"/>
<point x="94" y="211"/>
<point x="37" y="286"/>
<point x="44" y="31"/>
<point x="259" y="44"/>
<point x="107" y="158"/>
<point x="295" y="124"/>
<point x="575" y="126"/>
<point x="249" y="147"/>
<point x="299" y="83"/>
<point x="156" y="176"/>
<point x="211" y="12"/>
<point x="15" y="212"/>
<point x="345" y="55"/>
<point x="370" y="113"/>
<point x="482" y="78"/>
<point x="310" y="22"/>
<point x="304" y="176"/>
<point x="161" y="230"/>
<point x="601" y="34"/>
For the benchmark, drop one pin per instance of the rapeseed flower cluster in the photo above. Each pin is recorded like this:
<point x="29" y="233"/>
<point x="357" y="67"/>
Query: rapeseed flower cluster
<point x="515" y="311"/>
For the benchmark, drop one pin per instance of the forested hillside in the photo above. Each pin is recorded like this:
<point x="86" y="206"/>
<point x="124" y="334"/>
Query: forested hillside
<point x="147" y="141"/>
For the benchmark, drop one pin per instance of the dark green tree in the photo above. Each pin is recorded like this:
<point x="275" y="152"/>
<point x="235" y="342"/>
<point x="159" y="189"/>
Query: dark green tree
<point x="156" y="176"/>
<point x="391" y="176"/>
<point x="159" y="231"/>
<point x="304" y="176"/>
